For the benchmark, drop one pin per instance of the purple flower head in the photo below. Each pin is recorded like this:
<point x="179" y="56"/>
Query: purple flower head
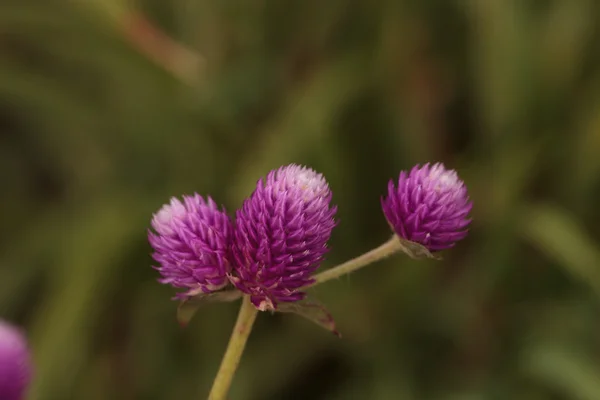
<point x="429" y="206"/>
<point x="281" y="235"/>
<point x="15" y="363"/>
<point x="191" y="244"/>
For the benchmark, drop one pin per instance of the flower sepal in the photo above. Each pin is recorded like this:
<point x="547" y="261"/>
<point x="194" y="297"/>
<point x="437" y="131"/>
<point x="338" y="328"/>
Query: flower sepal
<point x="415" y="250"/>
<point x="192" y="301"/>
<point x="312" y="311"/>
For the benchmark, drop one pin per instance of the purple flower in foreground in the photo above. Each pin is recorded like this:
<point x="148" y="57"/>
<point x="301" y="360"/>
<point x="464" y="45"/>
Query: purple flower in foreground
<point x="15" y="363"/>
<point x="281" y="235"/>
<point x="429" y="206"/>
<point x="191" y="244"/>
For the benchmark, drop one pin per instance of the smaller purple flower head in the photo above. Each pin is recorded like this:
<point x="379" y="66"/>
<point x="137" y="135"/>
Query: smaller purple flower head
<point x="281" y="235"/>
<point x="429" y="206"/>
<point x="191" y="244"/>
<point x="15" y="363"/>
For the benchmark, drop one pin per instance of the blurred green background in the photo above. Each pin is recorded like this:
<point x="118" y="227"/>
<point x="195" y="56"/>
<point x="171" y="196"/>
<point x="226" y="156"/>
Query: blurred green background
<point x="108" y="108"/>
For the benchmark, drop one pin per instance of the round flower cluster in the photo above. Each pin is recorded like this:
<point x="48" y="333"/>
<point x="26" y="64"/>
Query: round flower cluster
<point x="15" y="363"/>
<point x="429" y="206"/>
<point x="191" y="244"/>
<point x="279" y="236"/>
<point x="278" y="239"/>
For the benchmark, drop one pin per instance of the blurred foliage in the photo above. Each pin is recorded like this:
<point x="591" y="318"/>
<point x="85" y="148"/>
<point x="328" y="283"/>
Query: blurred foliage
<point x="108" y="110"/>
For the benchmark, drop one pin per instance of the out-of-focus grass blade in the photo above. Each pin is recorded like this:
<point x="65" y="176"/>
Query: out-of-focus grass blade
<point x="585" y="156"/>
<point x="111" y="9"/>
<point x="564" y="37"/>
<point x="304" y="124"/>
<point x="88" y="256"/>
<point x="502" y="55"/>
<point x="571" y="373"/>
<point x="558" y="235"/>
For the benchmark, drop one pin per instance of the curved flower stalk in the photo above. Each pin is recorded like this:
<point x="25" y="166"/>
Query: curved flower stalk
<point x="427" y="210"/>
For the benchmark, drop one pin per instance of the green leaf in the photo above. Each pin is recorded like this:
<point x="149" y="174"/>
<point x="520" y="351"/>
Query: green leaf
<point x="188" y="307"/>
<point x="312" y="311"/>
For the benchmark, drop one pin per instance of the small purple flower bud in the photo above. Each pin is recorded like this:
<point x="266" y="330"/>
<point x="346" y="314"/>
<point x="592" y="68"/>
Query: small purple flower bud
<point x="191" y="244"/>
<point x="15" y="363"/>
<point x="430" y="206"/>
<point x="281" y="235"/>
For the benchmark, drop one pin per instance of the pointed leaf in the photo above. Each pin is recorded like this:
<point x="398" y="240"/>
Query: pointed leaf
<point x="312" y="311"/>
<point x="188" y="307"/>
<point x="415" y="250"/>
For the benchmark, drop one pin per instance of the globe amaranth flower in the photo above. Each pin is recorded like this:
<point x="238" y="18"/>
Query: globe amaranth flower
<point x="429" y="206"/>
<point x="191" y="244"/>
<point x="281" y="235"/>
<point x="15" y="363"/>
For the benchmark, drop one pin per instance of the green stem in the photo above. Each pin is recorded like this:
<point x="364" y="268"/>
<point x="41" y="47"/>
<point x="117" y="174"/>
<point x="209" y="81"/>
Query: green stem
<point x="235" y="348"/>
<point x="247" y="315"/>
<point x="385" y="250"/>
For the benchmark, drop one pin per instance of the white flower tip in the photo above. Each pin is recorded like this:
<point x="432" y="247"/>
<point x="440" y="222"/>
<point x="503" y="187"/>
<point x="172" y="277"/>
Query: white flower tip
<point x="162" y="220"/>
<point x="304" y="178"/>
<point x="443" y="179"/>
